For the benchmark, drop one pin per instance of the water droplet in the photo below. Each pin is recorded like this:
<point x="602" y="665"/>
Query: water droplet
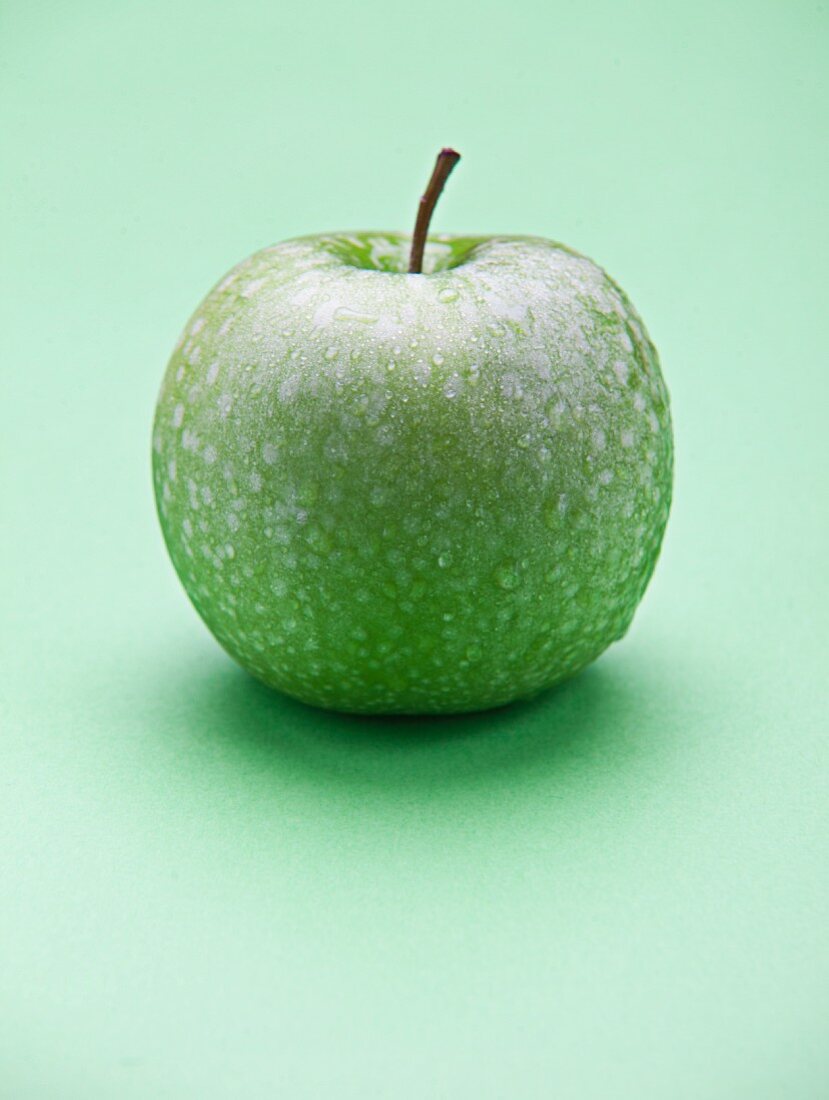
<point x="343" y="313"/>
<point x="331" y="353"/>
<point x="620" y="369"/>
<point x="472" y="373"/>
<point x="437" y="360"/>
<point x="444" y="559"/>
<point x="556" y="411"/>
<point x="448" y="294"/>
<point x="507" y="576"/>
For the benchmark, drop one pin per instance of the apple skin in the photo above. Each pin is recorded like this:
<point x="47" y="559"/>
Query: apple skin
<point x="433" y="493"/>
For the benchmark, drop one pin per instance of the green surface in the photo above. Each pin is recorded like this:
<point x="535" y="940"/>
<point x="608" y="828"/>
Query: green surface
<point x="617" y="891"/>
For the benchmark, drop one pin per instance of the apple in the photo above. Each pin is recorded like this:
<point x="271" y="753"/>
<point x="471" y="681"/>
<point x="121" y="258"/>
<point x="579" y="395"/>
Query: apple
<point x="402" y="483"/>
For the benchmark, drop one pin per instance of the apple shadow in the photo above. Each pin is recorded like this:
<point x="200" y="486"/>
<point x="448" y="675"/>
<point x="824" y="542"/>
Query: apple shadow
<point x="600" y="724"/>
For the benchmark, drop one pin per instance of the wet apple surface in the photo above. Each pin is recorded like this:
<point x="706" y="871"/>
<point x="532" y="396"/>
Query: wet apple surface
<point x="414" y="493"/>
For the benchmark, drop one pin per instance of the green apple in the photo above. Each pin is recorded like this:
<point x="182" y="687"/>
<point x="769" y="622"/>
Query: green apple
<point x="414" y="493"/>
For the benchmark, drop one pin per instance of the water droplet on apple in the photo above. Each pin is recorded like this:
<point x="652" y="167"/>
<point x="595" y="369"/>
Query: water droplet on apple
<point x="343" y="313"/>
<point x="437" y="360"/>
<point x="448" y="294"/>
<point x="331" y="353"/>
<point x="507" y="576"/>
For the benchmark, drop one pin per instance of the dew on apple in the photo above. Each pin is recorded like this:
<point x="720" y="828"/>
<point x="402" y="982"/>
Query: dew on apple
<point x="344" y="313"/>
<point x="482" y="455"/>
<point x="507" y="576"/>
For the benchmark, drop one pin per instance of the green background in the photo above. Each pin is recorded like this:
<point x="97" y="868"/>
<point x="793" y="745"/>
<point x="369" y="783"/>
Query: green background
<point x="616" y="891"/>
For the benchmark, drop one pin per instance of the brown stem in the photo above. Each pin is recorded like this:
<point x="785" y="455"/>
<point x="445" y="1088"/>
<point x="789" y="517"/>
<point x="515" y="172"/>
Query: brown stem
<point x="447" y="159"/>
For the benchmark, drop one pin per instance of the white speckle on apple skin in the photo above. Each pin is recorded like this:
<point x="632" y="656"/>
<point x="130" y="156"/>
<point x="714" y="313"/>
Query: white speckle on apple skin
<point x="445" y="491"/>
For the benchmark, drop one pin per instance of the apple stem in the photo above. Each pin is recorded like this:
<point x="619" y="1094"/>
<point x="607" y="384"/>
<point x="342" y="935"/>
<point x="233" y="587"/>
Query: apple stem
<point x="447" y="159"/>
